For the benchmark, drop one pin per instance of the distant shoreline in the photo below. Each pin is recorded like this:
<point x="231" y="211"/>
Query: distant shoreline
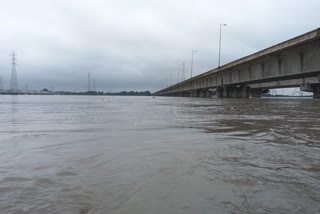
<point x="88" y="93"/>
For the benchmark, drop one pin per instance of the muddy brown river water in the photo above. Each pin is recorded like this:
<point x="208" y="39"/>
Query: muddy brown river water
<point x="124" y="155"/>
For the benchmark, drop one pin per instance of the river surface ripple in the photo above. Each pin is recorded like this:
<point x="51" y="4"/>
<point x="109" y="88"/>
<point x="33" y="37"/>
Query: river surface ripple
<point x="79" y="154"/>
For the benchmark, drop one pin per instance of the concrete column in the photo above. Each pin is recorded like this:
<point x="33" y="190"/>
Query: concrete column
<point x="316" y="91"/>
<point x="225" y="92"/>
<point x="256" y="93"/>
<point x="206" y="93"/>
<point x="238" y="91"/>
<point x="195" y="93"/>
<point x="244" y="92"/>
<point x="219" y="92"/>
<point x="232" y="92"/>
<point x="209" y="93"/>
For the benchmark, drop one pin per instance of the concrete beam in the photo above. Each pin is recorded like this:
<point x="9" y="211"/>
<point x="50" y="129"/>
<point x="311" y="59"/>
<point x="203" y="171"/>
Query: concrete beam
<point x="286" y="83"/>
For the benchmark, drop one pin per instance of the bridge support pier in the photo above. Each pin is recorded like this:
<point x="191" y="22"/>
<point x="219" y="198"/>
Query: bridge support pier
<point x="233" y="92"/>
<point x="219" y="92"/>
<point x="185" y="94"/>
<point x="225" y="93"/>
<point x="203" y="93"/>
<point x="239" y="92"/>
<point x="315" y="89"/>
<point x="256" y="93"/>
<point x="194" y="93"/>
<point x="316" y="92"/>
<point x="244" y="92"/>
<point x="210" y="93"/>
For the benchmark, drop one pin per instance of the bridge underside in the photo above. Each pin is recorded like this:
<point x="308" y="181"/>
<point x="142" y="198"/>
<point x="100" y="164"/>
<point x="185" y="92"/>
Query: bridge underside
<point x="254" y="90"/>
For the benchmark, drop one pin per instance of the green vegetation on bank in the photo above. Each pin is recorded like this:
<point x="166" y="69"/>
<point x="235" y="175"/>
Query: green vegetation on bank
<point x="101" y="93"/>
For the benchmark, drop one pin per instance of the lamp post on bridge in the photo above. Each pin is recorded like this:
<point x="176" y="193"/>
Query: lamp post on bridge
<point x="220" y="44"/>
<point x="178" y="72"/>
<point x="183" y="76"/>
<point x="192" y="52"/>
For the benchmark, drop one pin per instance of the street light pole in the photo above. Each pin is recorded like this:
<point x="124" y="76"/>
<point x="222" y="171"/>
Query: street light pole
<point x="178" y="72"/>
<point x="183" y="72"/>
<point x="220" y="43"/>
<point x="192" y="61"/>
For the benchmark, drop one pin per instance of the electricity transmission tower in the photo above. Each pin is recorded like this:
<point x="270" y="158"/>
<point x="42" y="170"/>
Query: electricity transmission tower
<point x="1" y="84"/>
<point x="183" y="72"/>
<point x="89" y="82"/>
<point x="14" y="79"/>
<point x="94" y="85"/>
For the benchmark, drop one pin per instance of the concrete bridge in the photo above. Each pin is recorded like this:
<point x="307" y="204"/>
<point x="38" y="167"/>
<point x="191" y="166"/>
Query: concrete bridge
<point x="293" y="63"/>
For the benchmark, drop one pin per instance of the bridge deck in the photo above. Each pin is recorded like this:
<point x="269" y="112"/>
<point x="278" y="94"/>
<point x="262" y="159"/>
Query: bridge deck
<point x="273" y="50"/>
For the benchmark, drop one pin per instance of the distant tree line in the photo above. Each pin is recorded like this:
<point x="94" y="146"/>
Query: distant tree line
<point x="122" y="93"/>
<point x="134" y="93"/>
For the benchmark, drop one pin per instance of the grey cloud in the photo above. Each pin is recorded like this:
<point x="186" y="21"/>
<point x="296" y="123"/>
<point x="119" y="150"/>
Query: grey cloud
<point x="136" y="45"/>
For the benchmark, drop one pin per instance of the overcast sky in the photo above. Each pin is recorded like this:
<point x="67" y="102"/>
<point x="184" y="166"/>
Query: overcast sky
<point x="137" y="44"/>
